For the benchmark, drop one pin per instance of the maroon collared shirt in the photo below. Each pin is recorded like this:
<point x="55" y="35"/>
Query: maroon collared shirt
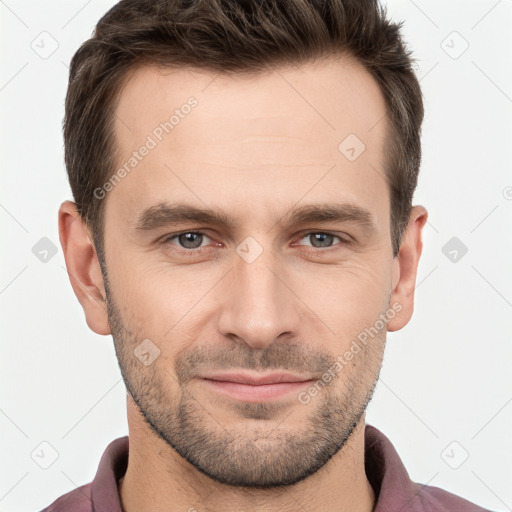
<point x="394" y="490"/>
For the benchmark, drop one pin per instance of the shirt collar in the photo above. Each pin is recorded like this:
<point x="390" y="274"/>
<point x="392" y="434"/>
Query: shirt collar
<point x="385" y="471"/>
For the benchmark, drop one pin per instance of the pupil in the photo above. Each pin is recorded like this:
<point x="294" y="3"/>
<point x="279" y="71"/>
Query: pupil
<point x="188" y="238"/>
<point x="320" y="237"/>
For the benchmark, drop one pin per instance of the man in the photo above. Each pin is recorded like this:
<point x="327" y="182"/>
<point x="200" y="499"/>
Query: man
<point x="243" y="175"/>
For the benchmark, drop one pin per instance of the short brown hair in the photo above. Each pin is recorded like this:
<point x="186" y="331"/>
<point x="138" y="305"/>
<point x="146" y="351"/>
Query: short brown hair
<point x="235" y="36"/>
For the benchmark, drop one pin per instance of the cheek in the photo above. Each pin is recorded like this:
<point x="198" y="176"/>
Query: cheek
<point x="173" y="303"/>
<point x="161" y="302"/>
<point x="351" y="297"/>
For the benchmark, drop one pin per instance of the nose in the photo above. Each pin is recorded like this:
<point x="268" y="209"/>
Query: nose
<point x="257" y="304"/>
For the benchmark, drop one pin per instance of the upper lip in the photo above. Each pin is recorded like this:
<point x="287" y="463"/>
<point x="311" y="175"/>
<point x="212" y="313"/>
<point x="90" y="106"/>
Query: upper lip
<point x="256" y="379"/>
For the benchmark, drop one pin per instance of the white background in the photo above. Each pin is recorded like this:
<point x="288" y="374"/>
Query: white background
<point x="446" y="376"/>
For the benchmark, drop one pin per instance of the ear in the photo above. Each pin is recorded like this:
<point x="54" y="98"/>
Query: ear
<point x="83" y="267"/>
<point x="405" y="266"/>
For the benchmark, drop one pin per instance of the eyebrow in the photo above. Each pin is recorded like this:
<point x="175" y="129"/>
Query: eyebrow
<point x="165" y="214"/>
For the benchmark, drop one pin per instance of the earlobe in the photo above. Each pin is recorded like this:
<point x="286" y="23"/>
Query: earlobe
<point x="405" y="269"/>
<point x="83" y="267"/>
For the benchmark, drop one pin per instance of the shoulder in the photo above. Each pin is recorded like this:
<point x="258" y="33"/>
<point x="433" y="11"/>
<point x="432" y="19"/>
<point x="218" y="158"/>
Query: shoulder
<point x="395" y="489"/>
<point x="77" y="500"/>
<point x="435" y="499"/>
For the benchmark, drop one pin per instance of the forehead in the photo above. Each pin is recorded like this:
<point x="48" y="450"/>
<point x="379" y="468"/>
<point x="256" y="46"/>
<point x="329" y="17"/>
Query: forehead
<point x="316" y="129"/>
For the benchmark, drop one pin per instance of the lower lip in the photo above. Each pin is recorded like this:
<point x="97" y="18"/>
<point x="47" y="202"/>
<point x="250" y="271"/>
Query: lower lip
<point x="251" y="393"/>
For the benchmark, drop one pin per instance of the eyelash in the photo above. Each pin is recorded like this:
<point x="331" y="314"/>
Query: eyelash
<point x="343" y="241"/>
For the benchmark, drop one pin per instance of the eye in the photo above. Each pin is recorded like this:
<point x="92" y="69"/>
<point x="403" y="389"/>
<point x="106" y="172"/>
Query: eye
<point x="189" y="240"/>
<point x="322" y="240"/>
<point x="192" y="241"/>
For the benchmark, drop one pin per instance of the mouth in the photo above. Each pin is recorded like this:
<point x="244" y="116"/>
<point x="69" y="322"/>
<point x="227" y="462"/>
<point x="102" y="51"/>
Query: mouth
<point x="256" y="387"/>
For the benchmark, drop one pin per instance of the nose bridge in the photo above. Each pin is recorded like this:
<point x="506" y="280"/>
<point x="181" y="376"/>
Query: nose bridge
<point x="258" y="306"/>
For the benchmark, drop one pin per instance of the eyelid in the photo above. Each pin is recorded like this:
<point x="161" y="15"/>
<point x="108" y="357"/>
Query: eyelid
<point x="344" y="238"/>
<point x="169" y="238"/>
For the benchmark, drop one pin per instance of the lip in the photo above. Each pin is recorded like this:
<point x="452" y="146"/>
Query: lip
<point x="254" y="387"/>
<point x="256" y="379"/>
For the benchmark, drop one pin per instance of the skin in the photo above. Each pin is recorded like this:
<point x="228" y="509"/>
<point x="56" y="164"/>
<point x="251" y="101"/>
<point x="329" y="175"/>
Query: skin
<point x="253" y="148"/>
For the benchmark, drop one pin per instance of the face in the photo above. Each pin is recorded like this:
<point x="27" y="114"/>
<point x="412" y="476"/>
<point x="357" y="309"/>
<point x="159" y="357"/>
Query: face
<point x="246" y="240"/>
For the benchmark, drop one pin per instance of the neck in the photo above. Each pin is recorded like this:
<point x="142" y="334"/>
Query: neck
<point x="157" y="478"/>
